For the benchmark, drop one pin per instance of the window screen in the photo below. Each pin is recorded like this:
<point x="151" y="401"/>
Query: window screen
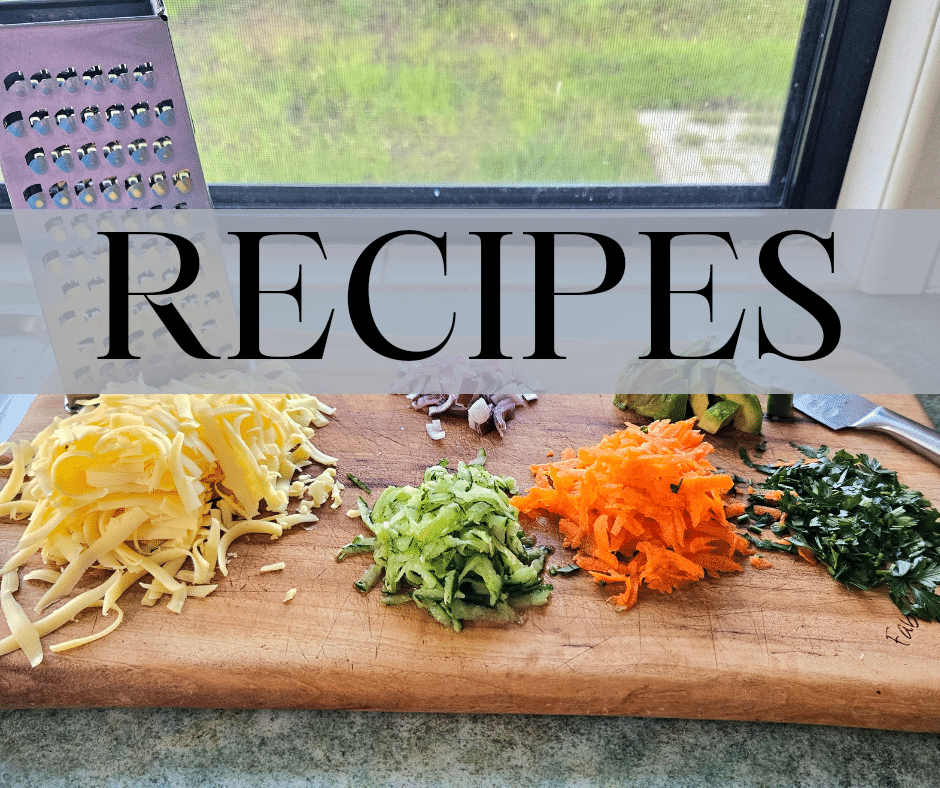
<point x="488" y="92"/>
<point x="537" y="103"/>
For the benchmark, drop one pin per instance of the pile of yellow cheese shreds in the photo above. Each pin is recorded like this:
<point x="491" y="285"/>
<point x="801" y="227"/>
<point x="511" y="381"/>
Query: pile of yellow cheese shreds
<point x="155" y="488"/>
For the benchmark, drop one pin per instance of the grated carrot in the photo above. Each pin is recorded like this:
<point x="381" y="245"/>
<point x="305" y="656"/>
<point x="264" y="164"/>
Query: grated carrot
<point x="641" y="508"/>
<point x="775" y="513"/>
<point x="759" y="562"/>
<point x="807" y="555"/>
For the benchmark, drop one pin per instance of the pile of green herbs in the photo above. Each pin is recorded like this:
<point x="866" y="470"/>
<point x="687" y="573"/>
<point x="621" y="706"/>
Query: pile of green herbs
<point x="866" y="527"/>
<point x="452" y="546"/>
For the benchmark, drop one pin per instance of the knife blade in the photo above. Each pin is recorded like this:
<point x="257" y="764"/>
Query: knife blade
<point x="13" y="408"/>
<point x="838" y="411"/>
<point x="837" y="408"/>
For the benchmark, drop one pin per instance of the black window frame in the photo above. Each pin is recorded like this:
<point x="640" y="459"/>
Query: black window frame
<point x="835" y="58"/>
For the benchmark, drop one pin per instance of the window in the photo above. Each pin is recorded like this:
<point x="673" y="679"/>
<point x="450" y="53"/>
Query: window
<point x="553" y="103"/>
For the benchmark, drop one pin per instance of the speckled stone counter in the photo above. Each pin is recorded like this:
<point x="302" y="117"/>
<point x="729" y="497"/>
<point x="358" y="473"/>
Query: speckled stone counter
<point x="167" y="748"/>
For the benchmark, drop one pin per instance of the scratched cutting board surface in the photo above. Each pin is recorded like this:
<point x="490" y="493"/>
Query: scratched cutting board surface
<point x="784" y="644"/>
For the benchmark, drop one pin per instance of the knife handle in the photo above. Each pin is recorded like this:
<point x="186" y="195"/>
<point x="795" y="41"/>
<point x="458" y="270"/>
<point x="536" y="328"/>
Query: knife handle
<point x="921" y="439"/>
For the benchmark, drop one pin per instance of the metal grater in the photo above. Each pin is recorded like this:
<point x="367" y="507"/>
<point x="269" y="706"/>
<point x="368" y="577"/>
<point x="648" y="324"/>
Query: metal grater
<point x="92" y="108"/>
<point x="96" y="137"/>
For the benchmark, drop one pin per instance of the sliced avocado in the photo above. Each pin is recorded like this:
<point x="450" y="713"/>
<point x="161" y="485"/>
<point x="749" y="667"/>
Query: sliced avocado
<point x="719" y="414"/>
<point x="700" y="403"/>
<point x="749" y="417"/>
<point x="655" y="406"/>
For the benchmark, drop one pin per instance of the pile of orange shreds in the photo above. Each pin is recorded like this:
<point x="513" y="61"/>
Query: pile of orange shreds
<point x="641" y="507"/>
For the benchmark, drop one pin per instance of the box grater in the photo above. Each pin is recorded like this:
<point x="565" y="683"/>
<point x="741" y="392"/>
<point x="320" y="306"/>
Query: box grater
<point x="92" y="108"/>
<point x="96" y="137"/>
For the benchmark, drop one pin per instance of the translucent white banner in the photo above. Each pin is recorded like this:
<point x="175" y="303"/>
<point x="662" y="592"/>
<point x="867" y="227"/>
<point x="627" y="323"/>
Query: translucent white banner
<point x="427" y="302"/>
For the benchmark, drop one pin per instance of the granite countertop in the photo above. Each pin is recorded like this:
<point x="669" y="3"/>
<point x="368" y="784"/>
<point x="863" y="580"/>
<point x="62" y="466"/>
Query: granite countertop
<point x="169" y="748"/>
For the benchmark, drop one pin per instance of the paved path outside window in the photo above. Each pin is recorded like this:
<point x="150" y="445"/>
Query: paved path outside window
<point x="711" y="146"/>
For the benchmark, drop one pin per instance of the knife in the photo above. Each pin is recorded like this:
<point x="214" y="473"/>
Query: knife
<point x="12" y="409"/>
<point x="838" y="411"/>
<point x="836" y="407"/>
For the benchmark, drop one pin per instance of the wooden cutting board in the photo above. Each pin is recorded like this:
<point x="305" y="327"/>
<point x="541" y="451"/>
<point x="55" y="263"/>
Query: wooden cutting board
<point x="784" y="644"/>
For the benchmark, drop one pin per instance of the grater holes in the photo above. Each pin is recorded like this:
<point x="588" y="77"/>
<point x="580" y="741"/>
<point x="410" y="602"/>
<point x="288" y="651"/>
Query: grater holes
<point x="81" y="225"/>
<point x="65" y="120"/>
<point x="88" y="156"/>
<point x="144" y="75"/>
<point x="157" y="222"/>
<point x="163" y="149"/>
<point x="14" y="124"/>
<point x="140" y="114"/>
<point x="171" y="273"/>
<point x="94" y="78"/>
<point x="182" y="181"/>
<point x="158" y="184"/>
<point x="36" y="161"/>
<point x="78" y="260"/>
<point x="113" y="153"/>
<point x="16" y="84"/>
<point x="119" y="77"/>
<point x="139" y="307"/>
<point x="34" y="196"/>
<point x="68" y="78"/>
<point x="55" y="229"/>
<point x="116" y="116"/>
<point x="91" y="117"/>
<point x="166" y="113"/>
<point x="52" y="261"/>
<point x="135" y="186"/>
<point x="130" y="218"/>
<point x="65" y="317"/>
<point x="63" y="159"/>
<point x="151" y="255"/>
<point x="85" y="192"/>
<point x="39" y="120"/>
<point x="59" y="192"/>
<point x="110" y="189"/>
<point x="138" y="150"/>
<point x="42" y="81"/>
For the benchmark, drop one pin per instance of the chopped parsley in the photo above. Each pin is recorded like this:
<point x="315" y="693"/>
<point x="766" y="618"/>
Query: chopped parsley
<point x="866" y="527"/>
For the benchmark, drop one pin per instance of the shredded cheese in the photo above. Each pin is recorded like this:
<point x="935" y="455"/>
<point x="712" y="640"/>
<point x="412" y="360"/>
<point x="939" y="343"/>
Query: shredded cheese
<point x="273" y="567"/>
<point x="154" y="487"/>
<point x="291" y="593"/>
